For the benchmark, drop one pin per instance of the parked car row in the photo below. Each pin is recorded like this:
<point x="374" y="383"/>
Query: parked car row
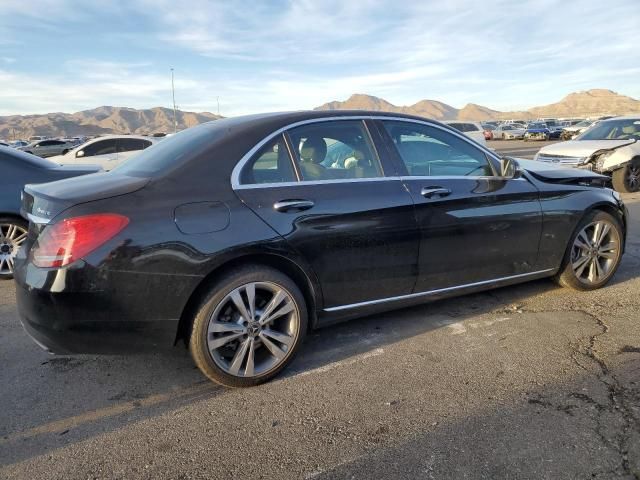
<point x="237" y="236"/>
<point x="610" y="147"/>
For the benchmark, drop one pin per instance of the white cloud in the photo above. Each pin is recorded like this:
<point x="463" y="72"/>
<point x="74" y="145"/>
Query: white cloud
<point x="299" y="54"/>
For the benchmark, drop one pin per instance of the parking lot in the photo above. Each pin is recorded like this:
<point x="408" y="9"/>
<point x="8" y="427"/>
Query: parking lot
<point x="531" y="381"/>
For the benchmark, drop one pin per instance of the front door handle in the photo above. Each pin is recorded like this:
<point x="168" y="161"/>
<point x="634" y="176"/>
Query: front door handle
<point x="287" y="205"/>
<point x="429" y="192"/>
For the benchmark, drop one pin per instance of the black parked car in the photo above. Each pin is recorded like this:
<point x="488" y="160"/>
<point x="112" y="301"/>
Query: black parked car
<point x="238" y="235"/>
<point x="17" y="169"/>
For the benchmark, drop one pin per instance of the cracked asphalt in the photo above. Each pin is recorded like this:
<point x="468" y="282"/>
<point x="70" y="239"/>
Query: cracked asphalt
<point x="531" y="381"/>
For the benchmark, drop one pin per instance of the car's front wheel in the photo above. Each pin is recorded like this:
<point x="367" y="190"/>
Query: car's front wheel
<point x="13" y="232"/>
<point x="594" y="254"/>
<point x="248" y="327"/>
<point x="627" y="178"/>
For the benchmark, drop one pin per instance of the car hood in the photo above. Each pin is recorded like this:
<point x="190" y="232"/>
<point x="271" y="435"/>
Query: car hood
<point x="551" y="173"/>
<point x="582" y="148"/>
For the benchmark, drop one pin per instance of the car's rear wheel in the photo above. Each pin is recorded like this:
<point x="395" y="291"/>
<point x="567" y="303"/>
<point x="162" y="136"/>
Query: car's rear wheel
<point x="627" y="178"/>
<point x="248" y="327"/>
<point x="594" y="254"/>
<point x="13" y="232"/>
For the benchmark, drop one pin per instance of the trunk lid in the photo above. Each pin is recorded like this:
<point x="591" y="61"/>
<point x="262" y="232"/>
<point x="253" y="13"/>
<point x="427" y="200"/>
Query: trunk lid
<point x="44" y="201"/>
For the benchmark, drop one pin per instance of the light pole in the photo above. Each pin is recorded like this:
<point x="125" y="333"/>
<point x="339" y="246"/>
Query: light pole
<point x="173" y="95"/>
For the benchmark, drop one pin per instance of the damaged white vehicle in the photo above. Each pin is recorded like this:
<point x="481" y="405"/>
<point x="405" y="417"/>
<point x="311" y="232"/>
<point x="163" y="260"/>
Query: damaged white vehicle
<point x="610" y="147"/>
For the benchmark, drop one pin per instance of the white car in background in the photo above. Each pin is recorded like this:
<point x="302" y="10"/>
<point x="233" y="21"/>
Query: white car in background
<point x="508" y="132"/>
<point x="470" y="129"/>
<point x="611" y="147"/>
<point x="108" y="151"/>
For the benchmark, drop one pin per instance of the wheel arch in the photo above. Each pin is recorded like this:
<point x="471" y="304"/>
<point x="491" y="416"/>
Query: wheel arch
<point x="612" y="210"/>
<point x="305" y="281"/>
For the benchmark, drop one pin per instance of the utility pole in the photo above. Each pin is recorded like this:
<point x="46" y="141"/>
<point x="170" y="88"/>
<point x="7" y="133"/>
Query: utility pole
<point x="173" y="95"/>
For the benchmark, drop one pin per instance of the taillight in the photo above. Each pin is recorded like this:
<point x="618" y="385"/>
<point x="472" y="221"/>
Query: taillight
<point x="66" y="241"/>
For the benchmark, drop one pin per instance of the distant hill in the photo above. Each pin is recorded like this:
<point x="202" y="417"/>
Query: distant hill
<point x="579" y="104"/>
<point x="101" y="120"/>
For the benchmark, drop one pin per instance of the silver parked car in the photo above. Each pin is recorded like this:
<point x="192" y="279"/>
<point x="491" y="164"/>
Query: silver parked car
<point x="48" y="148"/>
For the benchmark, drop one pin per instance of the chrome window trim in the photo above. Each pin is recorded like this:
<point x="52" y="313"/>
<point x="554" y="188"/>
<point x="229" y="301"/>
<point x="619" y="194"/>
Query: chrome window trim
<point x="235" y="174"/>
<point x="433" y="292"/>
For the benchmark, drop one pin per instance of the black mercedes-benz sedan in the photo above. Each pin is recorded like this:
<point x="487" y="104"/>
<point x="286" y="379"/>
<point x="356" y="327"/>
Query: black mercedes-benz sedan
<point x="16" y="170"/>
<point x="237" y="236"/>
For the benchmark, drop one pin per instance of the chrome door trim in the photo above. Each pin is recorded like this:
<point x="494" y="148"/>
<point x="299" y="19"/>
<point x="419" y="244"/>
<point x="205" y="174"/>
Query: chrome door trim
<point x="235" y="174"/>
<point x="433" y="292"/>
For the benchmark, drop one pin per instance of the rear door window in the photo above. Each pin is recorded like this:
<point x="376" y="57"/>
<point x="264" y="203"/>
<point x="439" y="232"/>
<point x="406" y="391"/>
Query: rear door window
<point x="132" y="144"/>
<point x="334" y="150"/>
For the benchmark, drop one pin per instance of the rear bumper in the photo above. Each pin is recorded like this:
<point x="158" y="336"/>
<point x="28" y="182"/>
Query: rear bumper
<point x="79" y="310"/>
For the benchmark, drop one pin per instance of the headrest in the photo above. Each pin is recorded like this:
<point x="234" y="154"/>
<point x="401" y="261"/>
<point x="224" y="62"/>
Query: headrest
<point x="314" y="149"/>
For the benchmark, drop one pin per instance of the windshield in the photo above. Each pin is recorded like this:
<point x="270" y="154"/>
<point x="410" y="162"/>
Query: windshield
<point x="623" y="129"/>
<point x="537" y="125"/>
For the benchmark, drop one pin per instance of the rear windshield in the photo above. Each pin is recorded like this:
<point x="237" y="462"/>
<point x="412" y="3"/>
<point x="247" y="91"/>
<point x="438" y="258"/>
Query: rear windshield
<point x="171" y="151"/>
<point x="13" y="155"/>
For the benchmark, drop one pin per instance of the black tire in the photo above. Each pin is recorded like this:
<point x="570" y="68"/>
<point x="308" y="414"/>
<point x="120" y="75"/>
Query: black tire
<point x="6" y="269"/>
<point x="216" y="297"/>
<point x="567" y="277"/>
<point x="627" y="178"/>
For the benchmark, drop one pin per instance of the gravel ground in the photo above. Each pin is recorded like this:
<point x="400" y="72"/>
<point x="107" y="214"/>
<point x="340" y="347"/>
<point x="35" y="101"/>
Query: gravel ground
<point x="531" y="381"/>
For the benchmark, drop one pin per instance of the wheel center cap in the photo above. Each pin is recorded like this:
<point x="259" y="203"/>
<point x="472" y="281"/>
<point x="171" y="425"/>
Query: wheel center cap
<point x="253" y="329"/>
<point x="5" y="248"/>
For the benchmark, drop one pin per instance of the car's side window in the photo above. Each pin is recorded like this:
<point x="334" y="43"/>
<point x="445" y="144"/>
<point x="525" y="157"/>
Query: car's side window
<point x="102" y="147"/>
<point x="431" y="151"/>
<point x="271" y="164"/>
<point x="132" y="144"/>
<point x="334" y="150"/>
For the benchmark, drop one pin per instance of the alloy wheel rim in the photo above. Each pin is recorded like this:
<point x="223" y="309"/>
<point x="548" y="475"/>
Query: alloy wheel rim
<point x="11" y="237"/>
<point x="595" y="252"/>
<point x="253" y="329"/>
<point x="633" y="177"/>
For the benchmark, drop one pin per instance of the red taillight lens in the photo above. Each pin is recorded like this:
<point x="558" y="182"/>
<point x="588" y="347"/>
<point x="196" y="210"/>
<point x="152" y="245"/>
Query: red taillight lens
<point x="73" y="238"/>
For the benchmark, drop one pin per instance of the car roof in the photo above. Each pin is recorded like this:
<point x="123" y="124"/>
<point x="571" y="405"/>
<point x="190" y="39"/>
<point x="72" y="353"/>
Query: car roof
<point x="622" y="117"/>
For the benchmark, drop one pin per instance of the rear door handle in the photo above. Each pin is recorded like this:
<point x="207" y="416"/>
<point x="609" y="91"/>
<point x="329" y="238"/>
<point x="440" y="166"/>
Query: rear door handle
<point x="288" y="205"/>
<point x="429" y="192"/>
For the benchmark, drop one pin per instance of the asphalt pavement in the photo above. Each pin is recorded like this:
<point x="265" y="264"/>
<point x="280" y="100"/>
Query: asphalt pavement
<point x="530" y="381"/>
<point x="518" y="148"/>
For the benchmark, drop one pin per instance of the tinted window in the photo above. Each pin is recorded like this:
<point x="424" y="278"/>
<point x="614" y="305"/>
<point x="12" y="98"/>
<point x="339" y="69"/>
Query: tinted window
<point x="334" y="150"/>
<point x="174" y="150"/>
<point x="430" y="151"/>
<point x="271" y="164"/>
<point x="101" y="147"/>
<point x="131" y="144"/>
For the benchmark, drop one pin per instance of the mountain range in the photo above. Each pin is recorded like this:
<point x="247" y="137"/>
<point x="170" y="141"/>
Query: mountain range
<point x="578" y="104"/>
<point x="103" y="120"/>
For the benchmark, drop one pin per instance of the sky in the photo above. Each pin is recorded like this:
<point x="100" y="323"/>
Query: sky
<point x="257" y="56"/>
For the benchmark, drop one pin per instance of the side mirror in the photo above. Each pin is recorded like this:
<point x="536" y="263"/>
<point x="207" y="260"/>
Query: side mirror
<point x="509" y="168"/>
<point x="80" y="154"/>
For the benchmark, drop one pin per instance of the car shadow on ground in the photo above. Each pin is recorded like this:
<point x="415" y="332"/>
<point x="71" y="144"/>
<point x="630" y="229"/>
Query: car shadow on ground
<point x="57" y="401"/>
